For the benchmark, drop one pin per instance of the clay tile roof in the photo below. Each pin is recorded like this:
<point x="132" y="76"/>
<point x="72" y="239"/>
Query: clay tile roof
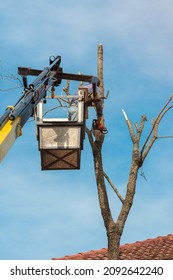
<point x="160" y="248"/>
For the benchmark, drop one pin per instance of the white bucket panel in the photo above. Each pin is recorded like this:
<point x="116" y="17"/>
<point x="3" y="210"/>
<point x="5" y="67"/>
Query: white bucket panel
<point x="53" y="137"/>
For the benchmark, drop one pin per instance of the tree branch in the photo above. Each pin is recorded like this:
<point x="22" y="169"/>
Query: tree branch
<point x="113" y="187"/>
<point x="155" y="124"/>
<point x="146" y="148"/>
<point x="143" y="120"/>
<point x="163" y="137"/>
<point x="130" y="127"/>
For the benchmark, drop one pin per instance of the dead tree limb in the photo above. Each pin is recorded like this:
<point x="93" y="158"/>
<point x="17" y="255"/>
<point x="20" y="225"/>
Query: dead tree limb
<point x="113" y="187"/>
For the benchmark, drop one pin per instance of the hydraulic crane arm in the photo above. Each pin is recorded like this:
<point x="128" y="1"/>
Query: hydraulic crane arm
<point x="15" y="117"/>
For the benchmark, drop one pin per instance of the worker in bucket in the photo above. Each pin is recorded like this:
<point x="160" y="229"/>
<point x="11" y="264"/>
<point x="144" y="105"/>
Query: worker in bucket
<point x="93" y="100"/>
<point x="73" y="110"/>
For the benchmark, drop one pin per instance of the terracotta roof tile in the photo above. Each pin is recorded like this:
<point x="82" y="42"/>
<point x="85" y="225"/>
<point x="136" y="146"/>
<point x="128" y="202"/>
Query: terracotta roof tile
<point x="160" y="248"/>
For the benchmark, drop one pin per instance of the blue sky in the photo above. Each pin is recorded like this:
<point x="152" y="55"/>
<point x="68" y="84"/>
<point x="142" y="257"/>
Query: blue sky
<point x="55" y="213"/>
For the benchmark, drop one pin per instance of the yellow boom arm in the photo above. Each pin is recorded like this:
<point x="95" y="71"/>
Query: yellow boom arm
<point x="8" y="134"/>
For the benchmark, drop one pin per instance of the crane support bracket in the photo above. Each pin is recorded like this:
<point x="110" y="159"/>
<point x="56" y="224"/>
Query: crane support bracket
<point x="24" y="71"/>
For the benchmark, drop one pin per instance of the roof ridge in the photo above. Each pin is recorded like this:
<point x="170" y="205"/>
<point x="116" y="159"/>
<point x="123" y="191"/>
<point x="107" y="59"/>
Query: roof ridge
<point x="169" y="236"/>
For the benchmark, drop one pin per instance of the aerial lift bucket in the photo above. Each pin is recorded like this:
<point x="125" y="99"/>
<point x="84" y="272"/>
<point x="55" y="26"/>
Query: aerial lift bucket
<point x="61" y="140"/>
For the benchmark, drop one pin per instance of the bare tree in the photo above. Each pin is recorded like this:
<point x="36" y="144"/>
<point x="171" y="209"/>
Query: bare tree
<point x="114" y="228"/>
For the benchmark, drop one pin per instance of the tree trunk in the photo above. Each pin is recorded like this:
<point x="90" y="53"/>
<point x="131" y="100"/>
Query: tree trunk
<point x="100" y="67"/>
<point x="101" y="187"/>
<point x="112" y="229"/>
